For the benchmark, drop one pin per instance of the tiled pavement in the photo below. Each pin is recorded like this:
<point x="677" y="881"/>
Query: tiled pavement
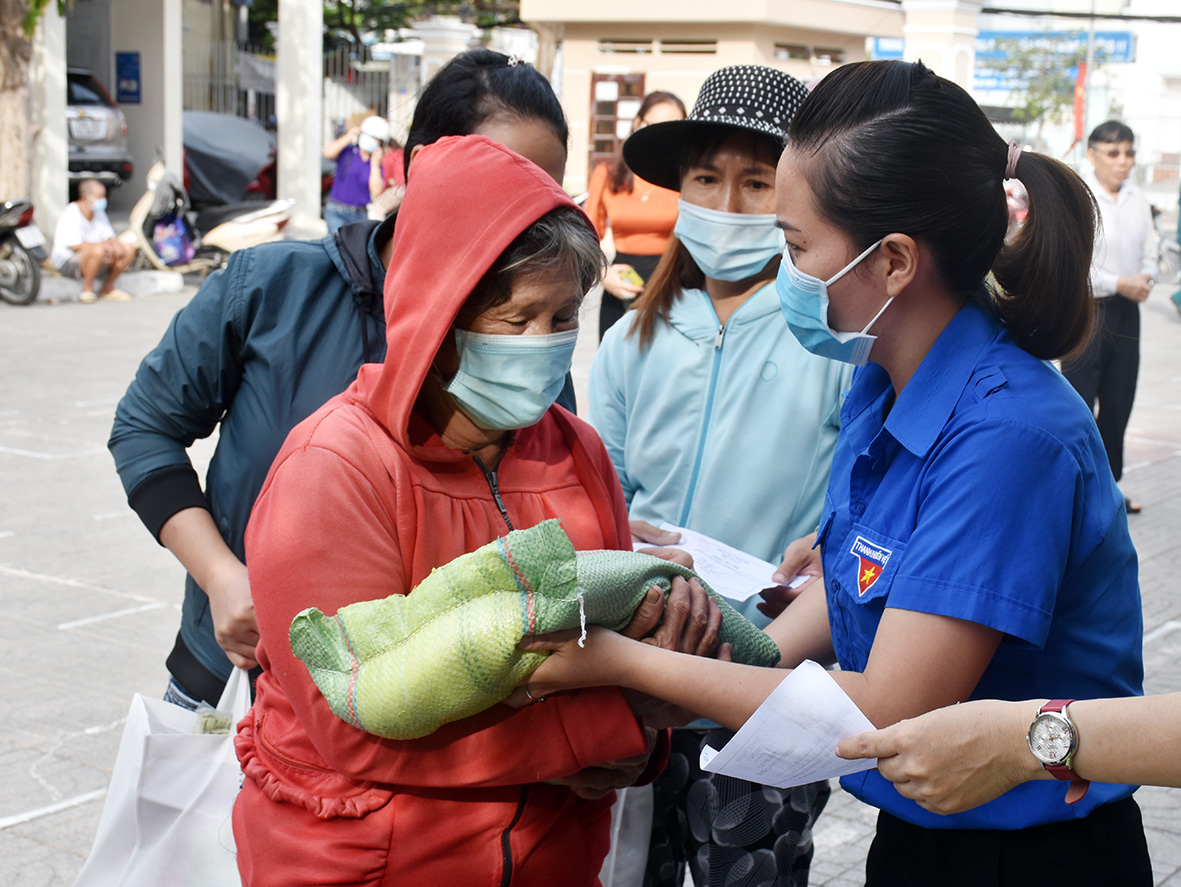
<point x="89" y="603"/>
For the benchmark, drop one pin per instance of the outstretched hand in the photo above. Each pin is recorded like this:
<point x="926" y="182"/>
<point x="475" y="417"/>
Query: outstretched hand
<point x="802" y="557"/>
<point x="954" y="758"/>
<point x="572" y="665"/>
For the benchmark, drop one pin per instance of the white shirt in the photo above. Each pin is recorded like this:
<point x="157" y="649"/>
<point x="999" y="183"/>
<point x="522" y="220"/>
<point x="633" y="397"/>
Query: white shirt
<point x="74" y="228"/>
<point x="1127" y="243"/>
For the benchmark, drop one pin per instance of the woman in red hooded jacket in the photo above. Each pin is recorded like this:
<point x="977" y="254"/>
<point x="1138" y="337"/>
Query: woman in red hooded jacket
<point x="441" y="449"/>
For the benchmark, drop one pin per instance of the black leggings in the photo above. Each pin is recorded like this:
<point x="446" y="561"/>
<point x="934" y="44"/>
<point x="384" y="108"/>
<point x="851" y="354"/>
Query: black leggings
<point x="1105" y="849"/>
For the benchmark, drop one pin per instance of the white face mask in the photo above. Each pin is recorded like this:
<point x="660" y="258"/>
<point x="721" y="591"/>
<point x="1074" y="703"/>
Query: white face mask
<point x="728" y="246"/>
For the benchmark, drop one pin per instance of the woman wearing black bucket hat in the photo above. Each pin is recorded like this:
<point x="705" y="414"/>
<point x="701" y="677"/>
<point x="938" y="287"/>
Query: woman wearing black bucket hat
<point x="717" y="420"/>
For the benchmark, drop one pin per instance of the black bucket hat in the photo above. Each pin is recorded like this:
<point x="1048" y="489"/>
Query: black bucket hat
<point x="751" y="97"/>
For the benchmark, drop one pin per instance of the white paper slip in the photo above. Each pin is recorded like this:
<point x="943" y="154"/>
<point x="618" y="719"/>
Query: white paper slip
<point x="730" y="572"/>
<point x="792" y="738"/>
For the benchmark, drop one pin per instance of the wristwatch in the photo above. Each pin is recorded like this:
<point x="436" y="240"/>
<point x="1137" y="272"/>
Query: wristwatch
<point x="1053" y="739"/>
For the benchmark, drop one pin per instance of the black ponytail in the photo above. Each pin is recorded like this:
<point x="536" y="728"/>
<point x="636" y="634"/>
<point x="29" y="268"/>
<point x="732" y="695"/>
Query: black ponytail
<point x="475" y="86"/>
<point x="1042" y="276"/>
<point x="894" y="148"/>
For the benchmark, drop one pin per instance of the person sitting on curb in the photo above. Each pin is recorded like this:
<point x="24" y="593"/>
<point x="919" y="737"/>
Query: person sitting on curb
<point x="84" y="244"/>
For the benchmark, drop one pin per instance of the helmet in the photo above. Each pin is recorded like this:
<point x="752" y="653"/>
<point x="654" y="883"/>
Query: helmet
<point x="377" y="127"/>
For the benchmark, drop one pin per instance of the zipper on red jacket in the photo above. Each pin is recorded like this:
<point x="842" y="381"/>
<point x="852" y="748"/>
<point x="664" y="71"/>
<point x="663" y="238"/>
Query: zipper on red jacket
<point x="506" y="847"/>
<point x="494" y="486"/>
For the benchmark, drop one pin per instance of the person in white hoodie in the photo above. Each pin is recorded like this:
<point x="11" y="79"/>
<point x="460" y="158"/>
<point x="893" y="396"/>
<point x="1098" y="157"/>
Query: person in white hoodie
<point x="719" y="421"/>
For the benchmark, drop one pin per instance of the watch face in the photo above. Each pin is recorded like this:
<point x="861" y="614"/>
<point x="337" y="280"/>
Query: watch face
<point x="1051" y="739"/>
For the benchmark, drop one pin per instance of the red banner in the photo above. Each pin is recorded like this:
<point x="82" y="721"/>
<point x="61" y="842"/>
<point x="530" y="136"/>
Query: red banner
<point x="1080" y="102"/>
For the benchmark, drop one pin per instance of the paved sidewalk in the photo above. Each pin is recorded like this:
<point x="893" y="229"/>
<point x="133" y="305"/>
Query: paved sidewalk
<point x="90" y="603"/>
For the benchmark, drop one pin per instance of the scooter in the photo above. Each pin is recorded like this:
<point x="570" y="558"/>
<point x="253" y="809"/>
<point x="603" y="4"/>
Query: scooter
<point x="22" y="249"/>
<point x="170" y="236"/>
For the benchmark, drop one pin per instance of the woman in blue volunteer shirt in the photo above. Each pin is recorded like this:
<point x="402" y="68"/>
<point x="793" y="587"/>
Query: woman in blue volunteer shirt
<point x="973" y="541"/>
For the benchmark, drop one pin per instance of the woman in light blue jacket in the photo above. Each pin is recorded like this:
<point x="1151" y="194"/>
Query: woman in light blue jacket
<point x="719" y="421"/>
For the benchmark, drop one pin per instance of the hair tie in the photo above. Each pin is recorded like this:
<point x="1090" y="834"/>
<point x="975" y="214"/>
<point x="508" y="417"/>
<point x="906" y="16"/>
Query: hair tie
<point x="514" y="60"/>
<point x="1014" y="156"/>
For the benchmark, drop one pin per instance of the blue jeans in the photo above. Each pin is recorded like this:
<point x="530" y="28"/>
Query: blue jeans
<point x="337" y="214"/>
<point x="177" y="695"/>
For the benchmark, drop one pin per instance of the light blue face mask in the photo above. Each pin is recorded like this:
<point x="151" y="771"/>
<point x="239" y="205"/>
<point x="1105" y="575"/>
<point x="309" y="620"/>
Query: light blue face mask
<point x="100" y="205"/>
<point x="728" y="246"/>
<point x="367" y="143"/>
<point x="508" y="382"/>
<point x="804" y="301"/>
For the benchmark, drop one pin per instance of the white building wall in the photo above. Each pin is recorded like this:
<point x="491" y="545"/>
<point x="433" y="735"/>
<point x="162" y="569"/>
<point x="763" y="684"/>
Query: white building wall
<point x="154" y="126"/>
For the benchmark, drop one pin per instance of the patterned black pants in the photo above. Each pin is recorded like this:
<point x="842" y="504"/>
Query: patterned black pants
<point x="730" y="832"/>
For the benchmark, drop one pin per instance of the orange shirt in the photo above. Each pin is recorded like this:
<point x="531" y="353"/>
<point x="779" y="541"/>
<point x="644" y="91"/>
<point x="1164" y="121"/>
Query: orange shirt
<point x="641" y="222"/>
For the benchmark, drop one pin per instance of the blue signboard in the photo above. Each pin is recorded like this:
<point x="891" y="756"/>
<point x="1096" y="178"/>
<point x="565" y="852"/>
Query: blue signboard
<point x="1110" y="46"/>
<point x="127" y="80"/>
<point x="886" y="48"/>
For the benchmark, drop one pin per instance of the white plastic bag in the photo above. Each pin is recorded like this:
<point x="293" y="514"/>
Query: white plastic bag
<point x="631" y="832"/>
<point x="166" y="820"/>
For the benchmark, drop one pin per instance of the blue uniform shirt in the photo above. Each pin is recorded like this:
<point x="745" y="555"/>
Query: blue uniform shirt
<point x="984" y="493"/>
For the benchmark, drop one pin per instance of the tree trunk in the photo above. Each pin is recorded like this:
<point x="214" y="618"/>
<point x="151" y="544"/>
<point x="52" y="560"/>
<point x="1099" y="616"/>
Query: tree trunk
<point x="16" y="54"/>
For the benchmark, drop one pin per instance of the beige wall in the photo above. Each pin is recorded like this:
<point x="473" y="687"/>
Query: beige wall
<point x="746" y="32"/>
<point x="679" y="73"/>
<point x="942" y="33"/>
<point x="875" y="17"/>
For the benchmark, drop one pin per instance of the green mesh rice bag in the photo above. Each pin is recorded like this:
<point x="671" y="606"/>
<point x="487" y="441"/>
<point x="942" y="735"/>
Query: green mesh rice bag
<point x="403" y="666"/>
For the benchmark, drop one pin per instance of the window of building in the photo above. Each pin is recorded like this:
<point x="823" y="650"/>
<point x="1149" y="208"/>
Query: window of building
<point x="824" y="56"/>
<point x="624" y="46"/>
<point x="785" y="51"/>
<point x="615" y="100"/>
<point x="697" y="47"/>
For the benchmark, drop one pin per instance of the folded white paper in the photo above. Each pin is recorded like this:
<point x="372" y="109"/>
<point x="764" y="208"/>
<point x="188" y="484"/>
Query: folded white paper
<point x="792" y="738"/>
<point x="730" y="572"/>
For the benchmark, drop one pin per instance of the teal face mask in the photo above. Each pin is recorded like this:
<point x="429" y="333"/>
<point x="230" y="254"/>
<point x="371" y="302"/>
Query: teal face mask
<point x="804" y="302"/>
<point x="100" y="205"/>
<point x="508" y="382"/>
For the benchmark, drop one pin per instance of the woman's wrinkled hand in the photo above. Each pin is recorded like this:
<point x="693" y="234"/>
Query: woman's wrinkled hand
<point x="689" y="621"/>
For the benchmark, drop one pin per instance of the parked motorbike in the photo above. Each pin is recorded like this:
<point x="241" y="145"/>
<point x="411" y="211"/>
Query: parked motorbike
<point x="22" y="249"/>
<point x="171" y="236"/>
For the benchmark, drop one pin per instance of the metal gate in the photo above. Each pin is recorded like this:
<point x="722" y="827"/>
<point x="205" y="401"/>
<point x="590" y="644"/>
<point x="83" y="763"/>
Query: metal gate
<point x="354" y="85"/>
<point x="230" y="78"/>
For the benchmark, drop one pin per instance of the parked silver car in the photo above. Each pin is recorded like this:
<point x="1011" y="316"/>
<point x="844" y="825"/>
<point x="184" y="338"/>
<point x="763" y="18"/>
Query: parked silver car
<point x="97" y="130"/>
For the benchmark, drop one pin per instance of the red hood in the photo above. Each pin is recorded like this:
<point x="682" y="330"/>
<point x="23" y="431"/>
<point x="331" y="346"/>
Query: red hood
<point x="467" y="199"/>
